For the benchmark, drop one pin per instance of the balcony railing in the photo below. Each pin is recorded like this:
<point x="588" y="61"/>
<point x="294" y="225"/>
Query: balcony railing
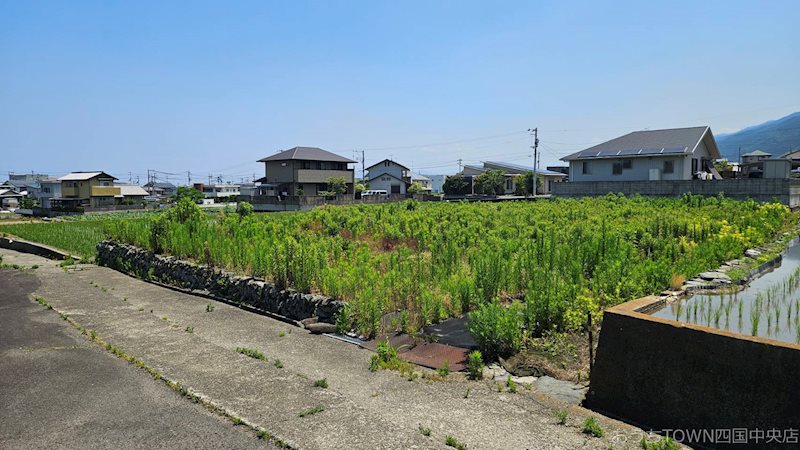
<point x="106" y="191"/>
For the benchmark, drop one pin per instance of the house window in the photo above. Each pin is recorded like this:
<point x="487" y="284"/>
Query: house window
<point x="616" y="169"/>
<point x="669" y="166"/>
<point x="509" y="185"/>
<point x="586" y="168"/>
<point x="386" y="163"/>
<point x="694" y="165"/>
<point x="627" y="164"/>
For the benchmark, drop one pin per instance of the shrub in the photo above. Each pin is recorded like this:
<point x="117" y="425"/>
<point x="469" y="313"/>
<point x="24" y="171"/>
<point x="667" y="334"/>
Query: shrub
<point x="561" y="416"/>
<point x="475" y="365"/>
<point x="497" y="329"/>
<point x="244" y="209"/>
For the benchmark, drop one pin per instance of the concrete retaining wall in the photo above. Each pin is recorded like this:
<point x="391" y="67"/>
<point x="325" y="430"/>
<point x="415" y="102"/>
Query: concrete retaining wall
<point x="35" y="249"/>
<point x="787" y="191"/>
<point x="195" y="278"/>
<point x="662" y="374"/>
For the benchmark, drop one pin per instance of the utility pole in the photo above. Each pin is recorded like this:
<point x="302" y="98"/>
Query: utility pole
<point x="459" y="165"/>
<point x="535" y="133"/>
<point x="363" y="163"/>
<point x="188" y="178"/>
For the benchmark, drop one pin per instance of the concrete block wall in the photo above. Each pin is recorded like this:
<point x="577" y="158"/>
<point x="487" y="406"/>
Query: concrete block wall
<point x="190" y="277"/>
<point x="787" y="191"/>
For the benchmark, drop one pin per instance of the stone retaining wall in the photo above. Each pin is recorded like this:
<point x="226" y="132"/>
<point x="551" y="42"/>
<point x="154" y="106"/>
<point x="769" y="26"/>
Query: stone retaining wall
<point x="196" y="278"/>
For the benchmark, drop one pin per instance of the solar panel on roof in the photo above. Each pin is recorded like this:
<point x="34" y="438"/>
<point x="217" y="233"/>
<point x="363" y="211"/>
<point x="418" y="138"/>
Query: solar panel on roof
<point x="650" y="151"/>
<point x="674" y="150"/>
<point x="633" y="151"/>
<point x="608" y="153"/>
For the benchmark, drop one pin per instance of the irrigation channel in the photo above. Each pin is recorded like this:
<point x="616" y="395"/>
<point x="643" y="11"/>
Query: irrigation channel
<point x="768" y="307"/>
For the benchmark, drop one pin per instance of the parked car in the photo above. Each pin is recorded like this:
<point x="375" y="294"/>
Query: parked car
<point x="375" y="193"/>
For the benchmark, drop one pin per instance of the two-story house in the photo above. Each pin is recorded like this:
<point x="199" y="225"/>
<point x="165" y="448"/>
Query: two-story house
<point x="389" y="176"/>
<point x="305" y="171"/>
<point x="49" y="188"/>
<point x="86" y="189"/>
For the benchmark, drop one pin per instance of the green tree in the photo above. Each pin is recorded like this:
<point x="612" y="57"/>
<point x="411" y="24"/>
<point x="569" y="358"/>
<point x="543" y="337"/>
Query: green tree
<point x="524" y="183"/>
<point x="337" y="185"/>
<point x="188" y="192"/>
<point x="455" y="185"/>
<point x="359" y="188"/>
<point x="722" y="165"/>
<point x="415" y="188"/>
<point x="491" y="182"/>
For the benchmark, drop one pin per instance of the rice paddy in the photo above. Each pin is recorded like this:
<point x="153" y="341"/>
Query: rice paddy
<point x="769" y="307"/>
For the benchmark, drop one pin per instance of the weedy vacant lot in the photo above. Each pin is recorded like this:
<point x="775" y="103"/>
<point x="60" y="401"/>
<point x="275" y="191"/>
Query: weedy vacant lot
<point x="521" y="269"/>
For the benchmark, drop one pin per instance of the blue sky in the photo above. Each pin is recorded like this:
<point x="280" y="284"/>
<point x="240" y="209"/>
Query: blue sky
<point x="210" y="87"/>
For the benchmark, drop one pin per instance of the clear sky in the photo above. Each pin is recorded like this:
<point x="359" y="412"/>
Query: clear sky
<point x="210" y="87"/>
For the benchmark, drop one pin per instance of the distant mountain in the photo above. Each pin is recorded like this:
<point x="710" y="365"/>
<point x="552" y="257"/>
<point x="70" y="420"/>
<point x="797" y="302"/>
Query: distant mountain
<point x="776" y="137"/>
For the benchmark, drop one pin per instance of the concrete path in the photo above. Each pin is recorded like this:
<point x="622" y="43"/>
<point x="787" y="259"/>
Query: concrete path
<point x="361" y="409"/>
<point x="58" y="390"/>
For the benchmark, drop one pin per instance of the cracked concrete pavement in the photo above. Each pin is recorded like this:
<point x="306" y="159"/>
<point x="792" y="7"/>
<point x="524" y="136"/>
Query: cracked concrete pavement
<point x="362" y="409"/>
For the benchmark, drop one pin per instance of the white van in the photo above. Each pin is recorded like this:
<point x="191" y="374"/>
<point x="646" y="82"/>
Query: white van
<point x="374" y="193"/>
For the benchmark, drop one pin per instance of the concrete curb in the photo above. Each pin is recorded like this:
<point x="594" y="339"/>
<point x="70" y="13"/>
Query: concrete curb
<point x="35" y="249"/>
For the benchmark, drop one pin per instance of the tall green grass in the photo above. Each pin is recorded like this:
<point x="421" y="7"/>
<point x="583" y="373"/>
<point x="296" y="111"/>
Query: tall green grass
<point x="557" y="260"/>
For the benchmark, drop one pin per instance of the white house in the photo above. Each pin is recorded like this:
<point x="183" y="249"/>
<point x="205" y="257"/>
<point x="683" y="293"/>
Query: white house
<point x="48" y="188"/>
<point x="389" y="176"/>
<point x="423" y="181"/>
<point x="673" y="154"/>
<point x="224" y="192"/>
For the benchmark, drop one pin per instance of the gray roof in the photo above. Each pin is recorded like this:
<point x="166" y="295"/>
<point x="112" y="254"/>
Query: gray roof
<point x="161" y="184"/>
<point x="521" y="168"/>
<point x="674" y="141"/>
<point x="757" y="153"/>
<point x="391" y="161"/>
<point x="306" y="154"/>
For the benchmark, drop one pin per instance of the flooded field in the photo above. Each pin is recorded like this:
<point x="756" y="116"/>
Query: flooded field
<point x="769" y="307"/>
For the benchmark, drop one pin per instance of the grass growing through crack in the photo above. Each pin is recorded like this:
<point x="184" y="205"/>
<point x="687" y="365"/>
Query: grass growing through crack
<point x="278" y="363"/>
<point x="386" y="358"/>
<point x="511" y="385"/>
<point x="190" y="329"/>
<point x="311" y="411"/>
<point x="321" y="383"/>
<point x="444" y="370"/>
<point x="665" y="443"/>
<point x="561" y="415"/>
<point x="251" y="352"/>
<point x="590" y="426"/>
<point x="450" y="441"/>
<point x="424" y="431"/>
<point x="209" y="308"/>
